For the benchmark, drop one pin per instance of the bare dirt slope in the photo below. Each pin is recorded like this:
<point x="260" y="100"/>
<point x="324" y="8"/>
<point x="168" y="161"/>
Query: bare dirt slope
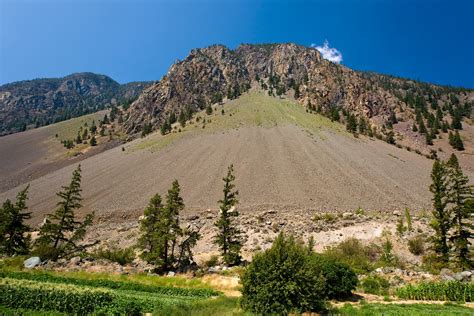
<point x="284" y="158"/>
<point x="28" y="155"/>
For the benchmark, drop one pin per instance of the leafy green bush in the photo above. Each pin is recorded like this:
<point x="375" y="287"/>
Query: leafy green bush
<point x="353" y="253"/>
<point x="340" y="279"/>
<point x="283" y="280"/>
<point x="375" y="284"/>
<point x="120" y="255"/>
<point x="438" y="291"/>
<point x="115" y="285"/>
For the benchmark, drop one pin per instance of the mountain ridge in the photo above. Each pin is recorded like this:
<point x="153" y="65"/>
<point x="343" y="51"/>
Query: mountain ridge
<point x="38" y="102"/>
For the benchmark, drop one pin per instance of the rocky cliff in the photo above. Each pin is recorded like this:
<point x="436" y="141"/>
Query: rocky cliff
<point x="209" y="74"/>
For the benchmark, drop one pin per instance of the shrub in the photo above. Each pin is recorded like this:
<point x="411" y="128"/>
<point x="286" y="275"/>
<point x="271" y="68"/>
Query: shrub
<point x="416" y="245"/>
<point x="353" y="253"/>
<point x="340" y="279"/>
<point x="120" y="255"/>
<point x="282" y="280"/>
<point x="375" y="284"/>
<point x="438" y="291"/>
<point x="213" y="260"/>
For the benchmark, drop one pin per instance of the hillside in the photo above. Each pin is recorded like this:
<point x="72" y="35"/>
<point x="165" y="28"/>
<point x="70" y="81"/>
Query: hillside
<point x="39" y="102"/>
<point x="285" y="158"/>
<point x="407" y="112"/>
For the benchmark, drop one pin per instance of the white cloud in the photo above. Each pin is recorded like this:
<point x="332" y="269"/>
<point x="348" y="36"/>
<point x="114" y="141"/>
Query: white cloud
<point x="331" y="54"/>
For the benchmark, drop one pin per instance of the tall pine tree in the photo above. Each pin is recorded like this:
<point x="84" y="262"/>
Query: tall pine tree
<point x="61" y="233"/>
<point x="441" y="218"/>
<point x="460" y="192"/>
<point x="13" y="230"/>
<point x="228" y="236"/>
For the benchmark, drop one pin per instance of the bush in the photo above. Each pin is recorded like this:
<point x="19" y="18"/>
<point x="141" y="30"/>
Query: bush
<point x="438" y="291"/>
<point x="283" y="280"/>
<point x="120" y="255"/>
<point x="340" y="279"/>
<point x="212" y="262"/>
<point x="353" y="253"/>
<point x="416" y="245"/>
<point x="375" y="284"/>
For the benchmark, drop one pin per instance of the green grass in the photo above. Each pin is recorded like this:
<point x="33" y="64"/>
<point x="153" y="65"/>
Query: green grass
<point x="404" y="310"/>
<point x="438" y="291"/>
<point x="68" y="129"/>
<point x="251" y="109"/>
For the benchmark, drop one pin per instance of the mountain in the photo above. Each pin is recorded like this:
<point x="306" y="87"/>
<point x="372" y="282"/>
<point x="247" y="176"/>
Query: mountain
<point x="209" y="75"/>
<point x="39" y="102"/>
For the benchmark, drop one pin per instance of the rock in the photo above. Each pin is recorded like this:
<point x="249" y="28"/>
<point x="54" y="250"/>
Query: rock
<point x="269" y="223"/>
<point x="347" y="215"/>
<point x="446" y="275"/>
<point x="214" y="269"/>
<point x="193" y="217"/>
<point x="75" y="260"/>
<point x="397" y="213"/>
<point x="463" y="276"/>
<point x="171" y="274"/>
<point x="32" y="262"/>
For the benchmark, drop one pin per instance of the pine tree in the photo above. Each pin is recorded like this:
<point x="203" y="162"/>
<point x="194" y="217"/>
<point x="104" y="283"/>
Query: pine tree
<point x="61" y="233"/>
<point x="228" y="237"/>
<point x="456" y="142"/>
<point x="351" y="125"/>
<point x="13" y="230"/>
<point x="460" y="192"/>
<point x="161" y="235"/>
<point x="93" y="141"/>
<point x="209" y="109"/>
<point x="422" y="128"/>
<point x="182" y="119"/>
<point x="152" y="231"/>
<point x="441" y="217"/>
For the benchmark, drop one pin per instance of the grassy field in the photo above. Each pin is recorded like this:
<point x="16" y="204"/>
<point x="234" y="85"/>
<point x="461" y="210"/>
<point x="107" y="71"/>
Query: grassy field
<point x="252" y="109"/>
<point x="62" y="293"/>
<point x="68" y="129"/>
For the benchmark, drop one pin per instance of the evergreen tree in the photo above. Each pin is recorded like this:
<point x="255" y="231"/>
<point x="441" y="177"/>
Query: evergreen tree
<point x="182" y="119"/>
<point x="441" y="222"/>
<point x="422" y="128"/>
<point x="460" y="192"/>
<point x="78" y="138"/>
<point x="414" y="128"/>
<point x="13" y="230"/>
<point x="61" y="233"/>
<point x="93" y="141"/>
<point x="161" y="235"/>
<point x="351" y="125"/>
<point x="209" y="109"/>
<point x="228" y="237"/>
<point x="455" y="140"/>
<point x="297" y="91"/>
<point x="153" y="231"/>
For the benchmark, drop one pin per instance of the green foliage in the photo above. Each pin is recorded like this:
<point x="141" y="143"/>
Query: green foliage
<point x="400" y="227"/>
<point x="147" y="129"/>
<point x="110" y="284"/>
<point x="61" y="233"/>
<point x="351" y="124"/>
<point x="209" y="109"/>
<point x="29" y="296"/>
<point x="14" y="237"/>
<point x="161" y="235"/>
<point x="340" y="279"/>
<point x="403" y="309"/>
<point x="460" y="193"/>
<point x="408" y="219"/>
<point x="283" y="280"/>
<point x="120" y="255"/>
<point x="438" y="291"/>
<point x="441" y="217"/>
<point x="416" y="245"/>
<point x="353" y="253"/>
<point x="93" y="141"/>
<point x="228" y="236"/>
<point x="375" y="284"/>
<point x="455" y="140"/>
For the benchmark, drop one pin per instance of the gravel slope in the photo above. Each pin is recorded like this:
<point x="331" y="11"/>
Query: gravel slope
<point x="279" y="163"/>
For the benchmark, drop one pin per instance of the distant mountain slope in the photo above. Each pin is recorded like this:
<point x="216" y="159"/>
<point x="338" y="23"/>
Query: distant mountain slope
<point x="284" y="157"/>
<point x="208" y="75"/>
<point x="34" y="103"/>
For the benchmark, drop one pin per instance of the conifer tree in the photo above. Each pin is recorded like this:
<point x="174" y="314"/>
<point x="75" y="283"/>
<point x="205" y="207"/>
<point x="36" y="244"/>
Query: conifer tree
<point x="61" y="233"/>
<point x="441" y="222"/>
<point x="351" y="123"/>
<point x="174" y="204"/>
<point x="152" y="227"/>
<point x="93" y="141"/>
<point x="13" y="230"/>
<point x="460" y="192"/>
<point x="228" y="236"/>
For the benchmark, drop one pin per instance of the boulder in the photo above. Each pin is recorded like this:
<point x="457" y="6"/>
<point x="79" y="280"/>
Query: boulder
<point x="171" y="274"/>
<point x="32" y="262"/>
<point x="347" y="215"/>
<point x="75" y="260"/>
<point x="397" y="213"/>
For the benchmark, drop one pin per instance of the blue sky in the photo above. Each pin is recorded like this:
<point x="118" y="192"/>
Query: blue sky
<point x="133" y="40"/>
